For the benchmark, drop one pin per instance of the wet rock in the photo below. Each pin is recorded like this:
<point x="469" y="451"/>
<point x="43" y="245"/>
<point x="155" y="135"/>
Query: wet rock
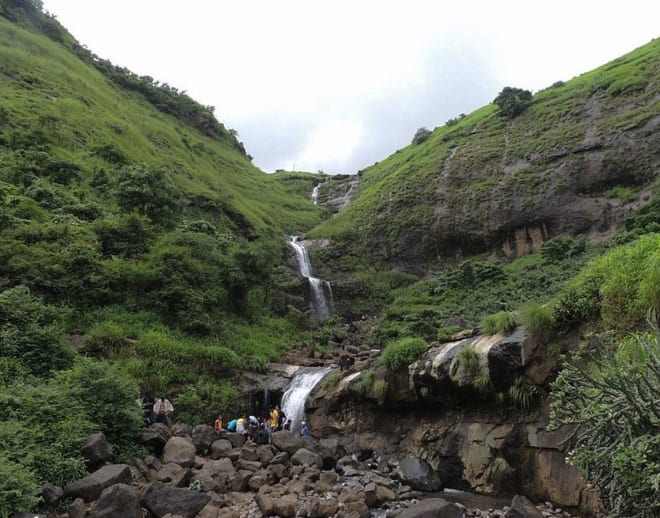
<point x="521" y="507"/>
<point x="419" y="474"/>
<point x="433" y="508"/>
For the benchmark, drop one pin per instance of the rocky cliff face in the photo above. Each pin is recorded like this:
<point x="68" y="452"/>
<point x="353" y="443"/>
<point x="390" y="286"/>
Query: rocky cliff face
<point x="442" y="408"/>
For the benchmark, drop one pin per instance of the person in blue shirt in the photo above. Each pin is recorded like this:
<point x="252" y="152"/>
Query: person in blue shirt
<point x="304" y="430"/>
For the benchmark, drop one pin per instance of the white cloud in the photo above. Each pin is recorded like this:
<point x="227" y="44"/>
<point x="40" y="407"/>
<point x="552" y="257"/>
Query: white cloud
<point x="342" y="84"/>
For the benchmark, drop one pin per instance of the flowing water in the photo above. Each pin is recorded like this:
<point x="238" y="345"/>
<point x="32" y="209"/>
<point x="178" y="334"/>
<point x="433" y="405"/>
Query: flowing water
<point x="320" y="290"/>
<point x="293" y="400"/>
<point x="315" y="194"/>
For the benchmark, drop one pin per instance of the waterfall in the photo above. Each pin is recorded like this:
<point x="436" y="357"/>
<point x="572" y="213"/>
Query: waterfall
<point x="315" y="194"/>
<point x="321" y="304"/>
<point x="293" y="400"/>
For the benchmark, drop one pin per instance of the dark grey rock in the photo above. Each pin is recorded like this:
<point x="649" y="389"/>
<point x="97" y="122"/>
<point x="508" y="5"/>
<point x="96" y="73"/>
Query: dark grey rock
<point x="90" y="487"/>
<point x="433" y="508"/>
<point x="118" y="501"/>
<point x="160" y="499"/>
<point x="419" y="474"/>
<point x="96" y="450"/>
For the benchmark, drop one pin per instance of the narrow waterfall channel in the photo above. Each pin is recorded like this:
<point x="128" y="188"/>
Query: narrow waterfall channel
<point x="293" y="400"/>
<point x="315" y="194"/>
<point x="320" y="290"/>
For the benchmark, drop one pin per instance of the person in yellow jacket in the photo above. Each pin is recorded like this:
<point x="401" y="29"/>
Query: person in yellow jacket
<point x="274" y="418"/>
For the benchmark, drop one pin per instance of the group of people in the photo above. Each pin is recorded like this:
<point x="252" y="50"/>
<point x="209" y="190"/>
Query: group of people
<point x="346" y="361"/>
<point x="260" y="429"/>
<point x="156" y="410"/>
<point x="257" y="429"/>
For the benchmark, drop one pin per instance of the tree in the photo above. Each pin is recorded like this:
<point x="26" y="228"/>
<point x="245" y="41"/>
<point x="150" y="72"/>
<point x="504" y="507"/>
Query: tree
<point x="614" y="398"/>
<point x="421" y="135"/>
<point x="513" y="101"/>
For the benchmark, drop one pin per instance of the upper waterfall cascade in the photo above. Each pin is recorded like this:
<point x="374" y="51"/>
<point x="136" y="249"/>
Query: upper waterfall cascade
<point x="320" y="290"/>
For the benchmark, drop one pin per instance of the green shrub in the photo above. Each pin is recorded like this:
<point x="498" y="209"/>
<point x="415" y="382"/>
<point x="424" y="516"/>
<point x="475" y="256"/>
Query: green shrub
<point x="379" y="390"/>
<point x="468" y="359"/>
<point x="202" y="402"/>
<point x="555" y="250"/>
<point x="403" y="352"/>
<point x="614" y="398"/>
<point x="421" y="135"/>
<point x="513" y="101"/>
<point x="501" y="322"/>
<point x="108" y="395"/>
<point x="18" y="487"/>
<point x="332" y="380"/>
<point x="538" y="319"/>
<point x="364" y="384"/>
<point x="445" y="333"/>
<point x="523" y="394"/>
<point x="625" y="194"/>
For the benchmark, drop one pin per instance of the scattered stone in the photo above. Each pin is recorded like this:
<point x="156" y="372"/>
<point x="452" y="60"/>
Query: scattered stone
<point x="161" y="500"/>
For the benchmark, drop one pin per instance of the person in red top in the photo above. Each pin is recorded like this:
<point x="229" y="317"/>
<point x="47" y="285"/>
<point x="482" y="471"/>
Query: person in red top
<point x="218" y="424"/>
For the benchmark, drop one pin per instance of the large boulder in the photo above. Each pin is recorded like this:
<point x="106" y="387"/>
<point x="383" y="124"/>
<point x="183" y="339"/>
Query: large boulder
<point x="155" y="437"/>
<point x="521" y="507"/>
<point x="179" y="451"/>
<point x="220" y="448"/>
<point x="418" y="474"/>
<point x="174" y="475"/>
<point x="287" y="441"/>
<point x="96" y="450"/>
<point x="305" y="457"/>
<point x="160" y="500"/>
<point x="116" y="501"/>
<point x="203" y="436"/>
<point x="90" y="487"/>
<point x="433" y="508"/>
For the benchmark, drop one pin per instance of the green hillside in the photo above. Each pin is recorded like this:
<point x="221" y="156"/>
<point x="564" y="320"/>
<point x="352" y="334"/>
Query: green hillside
<point x="581" y="156"/>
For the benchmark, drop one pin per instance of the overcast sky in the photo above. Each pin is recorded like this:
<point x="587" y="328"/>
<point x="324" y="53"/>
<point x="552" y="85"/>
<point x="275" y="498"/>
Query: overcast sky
<point x="337" y="85"/>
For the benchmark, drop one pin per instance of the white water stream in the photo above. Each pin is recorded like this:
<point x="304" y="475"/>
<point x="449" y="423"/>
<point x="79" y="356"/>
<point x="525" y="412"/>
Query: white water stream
<point x="293" y="400"/>
<point x="315" y="194"/>
<point x="320" y="290"/>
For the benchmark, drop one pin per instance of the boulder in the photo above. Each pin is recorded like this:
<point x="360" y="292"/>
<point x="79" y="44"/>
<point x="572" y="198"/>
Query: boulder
<point x="419" y="474"/>
<point x="249" y="452"/>
<point x="286" y="441"/>
<point x="174" y="475"/>
<point x="220" y="448"/>
<point x="76" y="509"/>
<point x="179" y="451"/>
<point x="304" y="457"/>
<point x="51" y="494"/>
<point x="433" y="508"/>
<point x="120" y="500"/>
<point x="285" y="506"/>
<point x="182" y="430"/>
<point x="203" y="436"/>
<point x="96" y="450"/>
<point x="265" y="454"/>
<point x="318" y="507"/>
<point x="265" y="502"/>
<point x="221" y="466"/>
<point x="236" y="439"/>
<point x="521" y="507"/>
<point x="90" y="487"/>
<point x="155" y="437"/>
<point x="160" y="499"/>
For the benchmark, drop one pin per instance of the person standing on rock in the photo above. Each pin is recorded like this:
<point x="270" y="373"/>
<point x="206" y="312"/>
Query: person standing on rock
<point x="274" y="415"/>
<point x="218" y="424"/>
<point x="304" y="429"/>
<point x="163" y="408"/>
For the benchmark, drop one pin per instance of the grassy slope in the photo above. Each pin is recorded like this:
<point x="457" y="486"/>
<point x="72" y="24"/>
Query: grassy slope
<point x="46" y="87"/>
<point x="458" y="177"/>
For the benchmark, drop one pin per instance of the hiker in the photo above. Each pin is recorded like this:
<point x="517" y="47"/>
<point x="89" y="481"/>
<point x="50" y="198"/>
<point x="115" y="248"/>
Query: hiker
<point x="231" y="425"/>
<point x="148" y="402"/>
<point x="287" y="425"/>
<point x="274" y="414"/>
<point x="218" y="424"/>
<point x="163" y="408"/>
<point x="240" y="425"/>
<point x="253" y="427"/>
<point x="262" y="436"/>
<point x="304" y="430"/>
<point x="281" y="418"/>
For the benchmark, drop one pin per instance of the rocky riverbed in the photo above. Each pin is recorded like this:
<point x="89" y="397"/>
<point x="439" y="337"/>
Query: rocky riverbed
<point x="196" y="472"/>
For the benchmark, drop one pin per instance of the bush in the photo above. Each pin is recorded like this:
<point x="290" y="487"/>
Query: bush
<point x="555" y="250"/>
<point x="539" y="320"/>
<point x="18" y="485"/>
<point x="379" y="390"/>
<point x="501" y="322"/>
<point x="403" y="352"/>
<point x="421" y="135"/>
<point x="202" y="402"/>
<point x="614" y="398"/>
<point x="513" y="101"/>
